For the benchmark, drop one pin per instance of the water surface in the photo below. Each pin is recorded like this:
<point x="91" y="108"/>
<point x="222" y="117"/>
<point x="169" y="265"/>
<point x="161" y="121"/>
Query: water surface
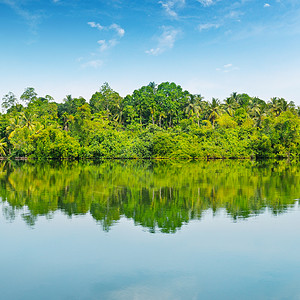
<point x="150" y="230"/>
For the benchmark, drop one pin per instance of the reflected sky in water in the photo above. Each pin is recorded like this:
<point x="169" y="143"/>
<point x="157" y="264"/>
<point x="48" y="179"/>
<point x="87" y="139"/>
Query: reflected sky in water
<point x="217" y="256"/>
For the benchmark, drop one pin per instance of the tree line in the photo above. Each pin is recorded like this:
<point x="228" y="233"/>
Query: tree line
<point x="155" y="121"/>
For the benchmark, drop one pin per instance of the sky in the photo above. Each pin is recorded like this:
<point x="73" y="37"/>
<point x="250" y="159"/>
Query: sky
<point x="209" y="47"/>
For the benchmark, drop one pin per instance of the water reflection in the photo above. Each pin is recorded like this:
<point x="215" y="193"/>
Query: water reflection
<point x="159" y="195"/>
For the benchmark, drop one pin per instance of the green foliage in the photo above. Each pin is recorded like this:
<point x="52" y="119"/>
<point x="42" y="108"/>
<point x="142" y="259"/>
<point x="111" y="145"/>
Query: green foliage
<point x="226" y="121"/>
<point x="53" y="143"/>
<point x="108" y="101"/>
<point x="70" y="105"/>
<point x="9" y="100"/>
<point x="29" y="95"/>
<point x="155" y="121"/>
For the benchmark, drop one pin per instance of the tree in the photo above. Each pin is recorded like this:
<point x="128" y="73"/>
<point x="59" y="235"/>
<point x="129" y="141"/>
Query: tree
<point x="67" y="120"/>
<point x="258" y="112"/>
<point x="279" y="105"/>
<point x="14" y="123"/>
<point x="106" y="100"/>
<point x="70" y="105"/>
<point x="28" y="95"/>
<point x="284" y="105"/>
<point x="287" y="130"/>
<point x="153" y="106"/>
<point x="9" y="100"/>
<point x="230" y="104"/>
<point x="214" y="110"/>
<point x="171" y="100"/>
<point x="3" y="146"/>
<point x="194" y="106"/>
<point x="245" y="101"/>
<point x="27" y="120"/>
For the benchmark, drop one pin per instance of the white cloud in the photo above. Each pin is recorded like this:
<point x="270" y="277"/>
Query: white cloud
<point x="168" y="9"/>
<point x="96" y="25"/>
<point x="120" y="31"/>
<point x="154" y="51"/>
<point x="171" y="5"/>
<point x="267" y="5"/>
<point x="104" y="45"/>
<point x="234" y="14"/>
<point x="166" y="41"/>
<point x="93" y="64"/>
<point x="227" y="68"/>
<point x="207" y="2"/>
<point x="208" y="26"/>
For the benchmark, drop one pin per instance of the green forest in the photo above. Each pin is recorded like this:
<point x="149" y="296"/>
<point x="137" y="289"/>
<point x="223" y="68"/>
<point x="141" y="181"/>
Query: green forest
<point x="160" y="195"/>
<point x="155" y="121"/>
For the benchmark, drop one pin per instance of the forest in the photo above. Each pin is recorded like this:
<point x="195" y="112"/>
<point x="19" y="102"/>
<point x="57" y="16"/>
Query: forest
<point x="155" y="121"/>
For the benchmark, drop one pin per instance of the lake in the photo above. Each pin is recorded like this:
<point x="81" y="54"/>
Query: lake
<point x="150" y="230"/>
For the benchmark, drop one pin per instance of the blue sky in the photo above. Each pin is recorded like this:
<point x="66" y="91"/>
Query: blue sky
<point x="211" y="47"/>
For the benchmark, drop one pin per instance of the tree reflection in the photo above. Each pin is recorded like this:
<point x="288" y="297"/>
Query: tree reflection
<point x="158" y="195"/>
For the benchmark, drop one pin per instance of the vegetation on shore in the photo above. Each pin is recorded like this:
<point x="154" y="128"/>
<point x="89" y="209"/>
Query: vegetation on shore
<point x="155" y="121"/>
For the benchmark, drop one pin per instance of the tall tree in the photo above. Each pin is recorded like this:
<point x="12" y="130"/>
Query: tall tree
<point x="28" y="95"/>
<point x="9" y="100"/>
<point x="194" y="107"/>
<point x="214" y="110"/>
<point x="106" y="100"/>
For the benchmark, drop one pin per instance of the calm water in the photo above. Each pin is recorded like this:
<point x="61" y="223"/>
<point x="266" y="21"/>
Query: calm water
<point x="150" y="230"/>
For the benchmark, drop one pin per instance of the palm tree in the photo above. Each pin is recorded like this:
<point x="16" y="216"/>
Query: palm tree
<point x="274" y="106"/>
<point x="14" y="123"/>
<point x="258" y="112"/>
<point x="214" y="110"/>
<point x="27" y="120"/>
<point x="161" y="115"/>
<point x="67" y="120"/>
<point x="153" y="86"/>
<point x="3" y="145"/>
<point x="152" y="111"/>
<point x="230" y="105"/>
<point x="284" y="105"/>
<point x="194" y="106"/>
<point x="245" y="102"/>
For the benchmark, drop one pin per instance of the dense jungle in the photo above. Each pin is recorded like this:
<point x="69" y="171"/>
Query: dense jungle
<point x="155" y="121"/>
